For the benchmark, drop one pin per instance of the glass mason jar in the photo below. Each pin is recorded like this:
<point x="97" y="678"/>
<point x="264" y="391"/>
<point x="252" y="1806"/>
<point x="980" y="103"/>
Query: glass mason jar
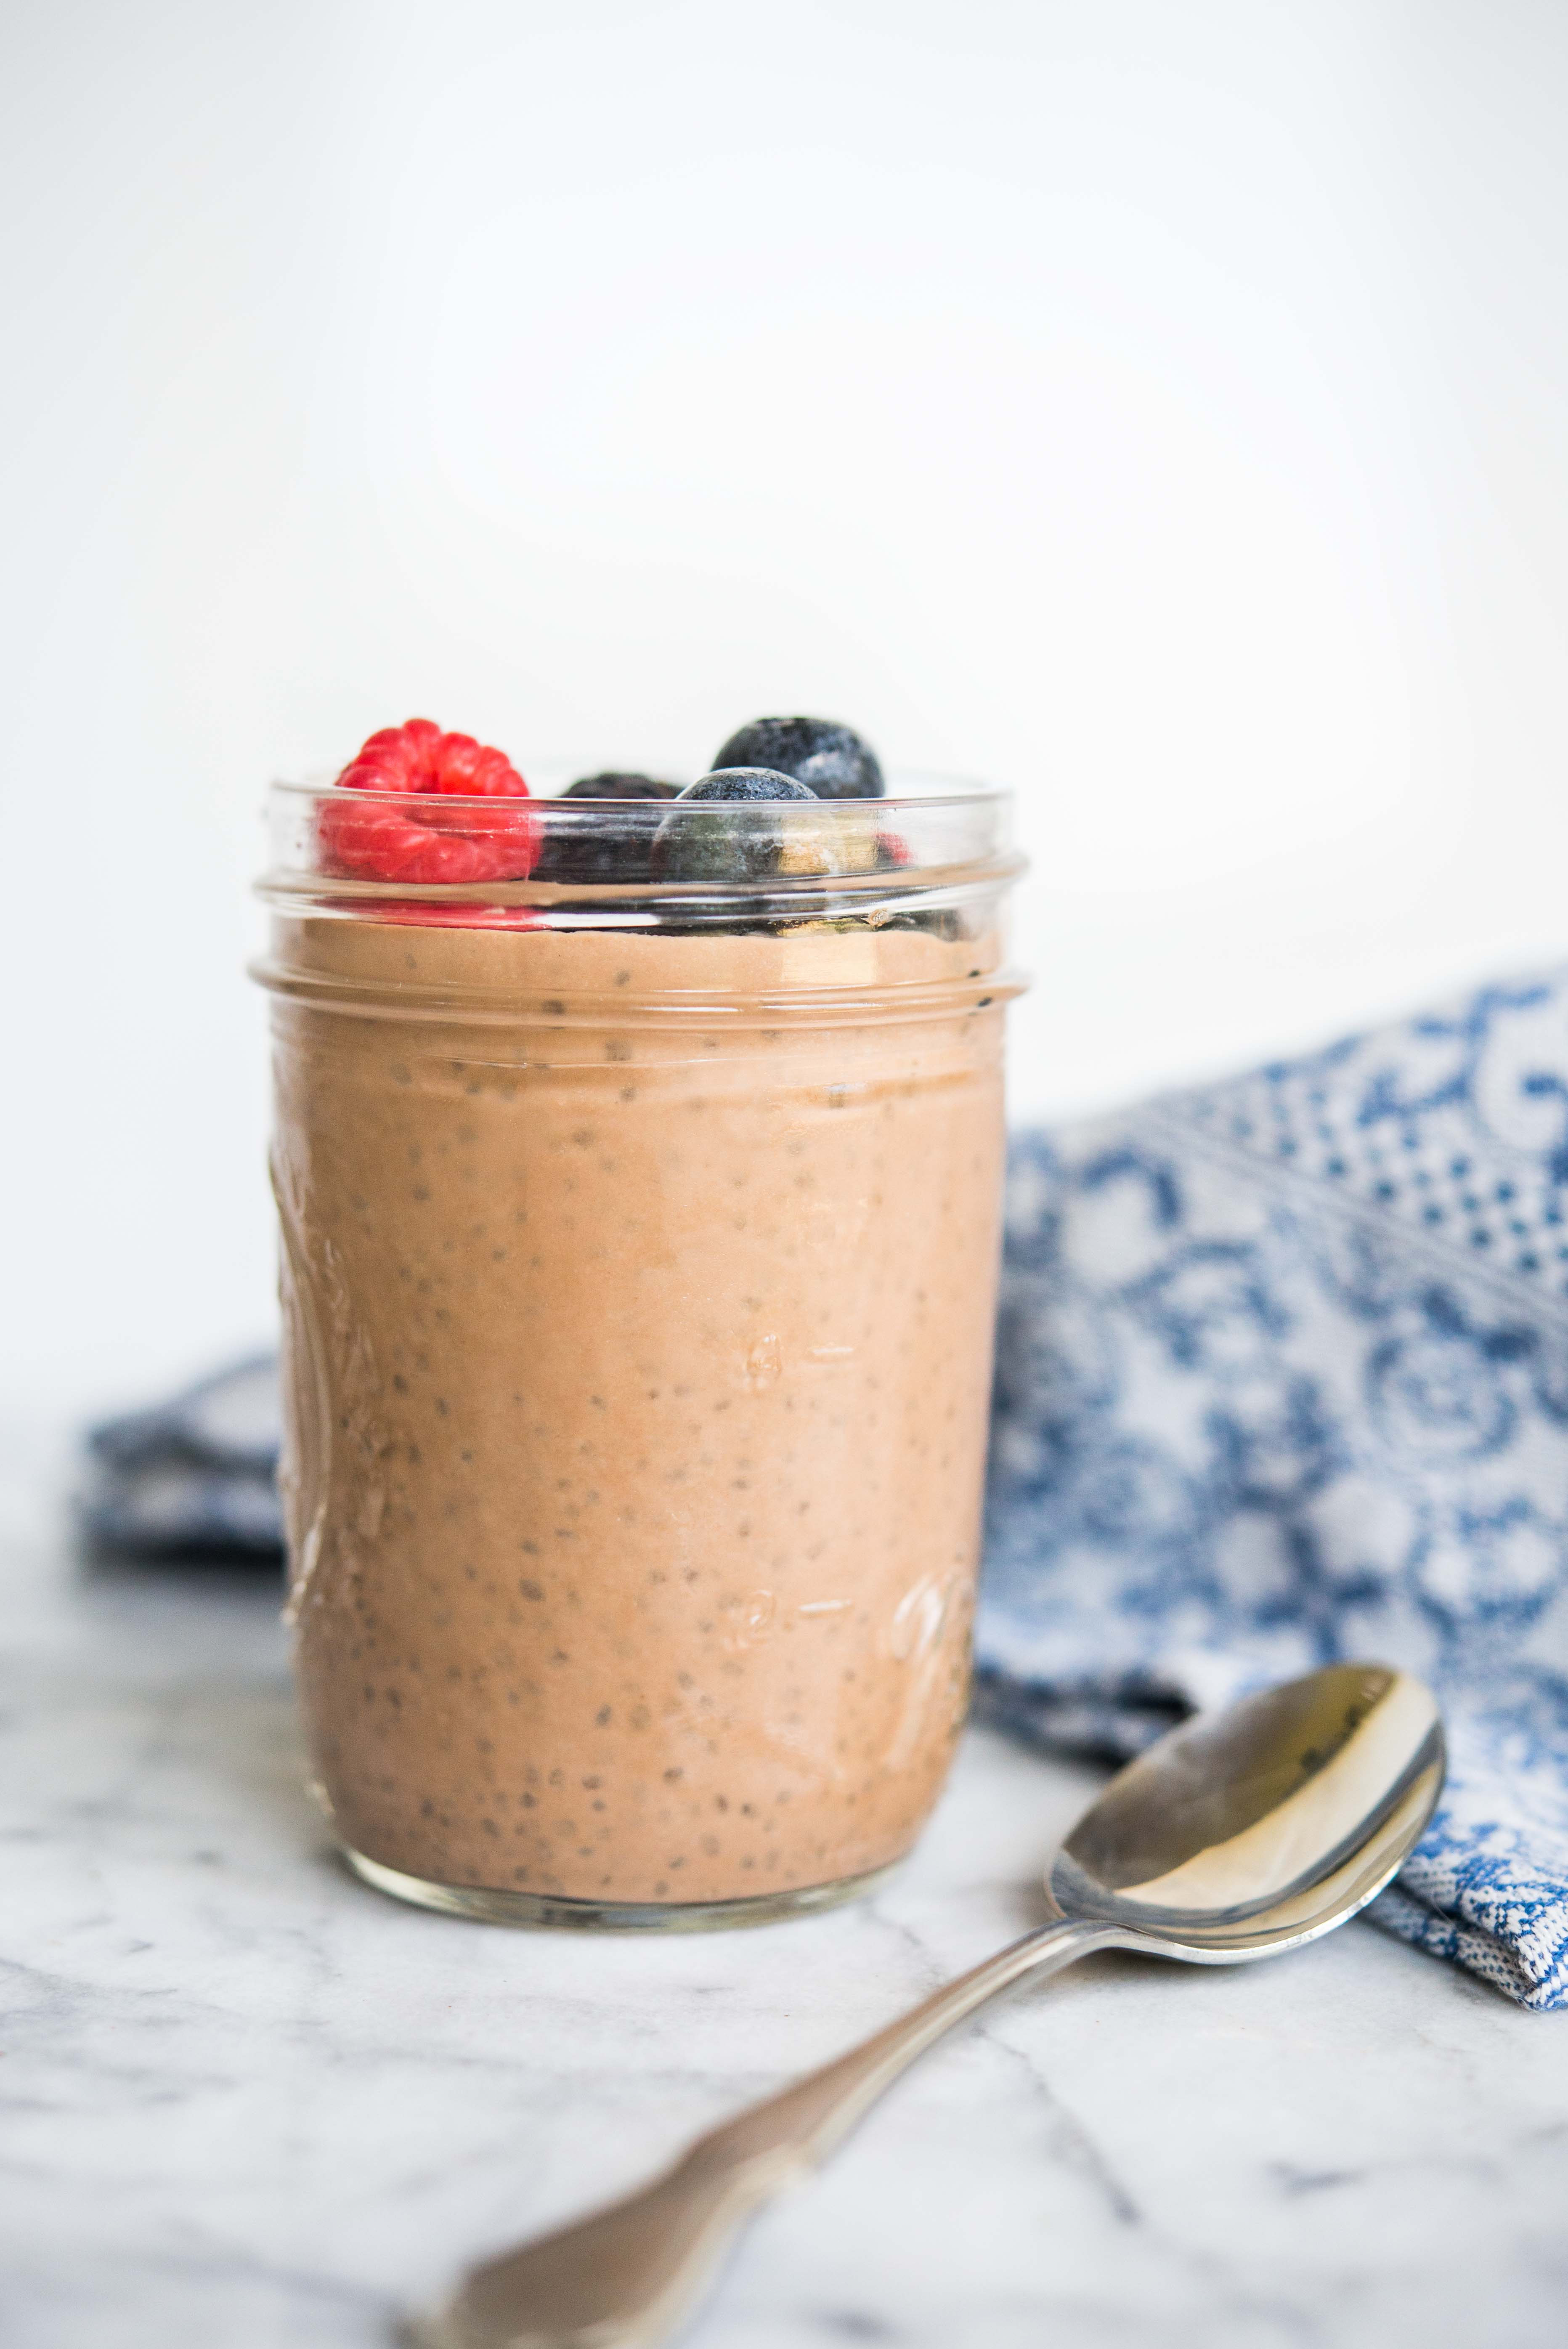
<point x="639" y="1258"/>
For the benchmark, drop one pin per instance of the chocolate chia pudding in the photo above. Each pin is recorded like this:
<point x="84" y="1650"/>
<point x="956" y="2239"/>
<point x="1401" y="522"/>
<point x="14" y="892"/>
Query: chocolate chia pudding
<point x="638" y="1286"/>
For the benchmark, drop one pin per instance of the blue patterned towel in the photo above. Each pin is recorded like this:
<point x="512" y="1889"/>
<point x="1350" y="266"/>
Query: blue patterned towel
<point x="194" y="1477"/>
<point x="1283" y="1377"/>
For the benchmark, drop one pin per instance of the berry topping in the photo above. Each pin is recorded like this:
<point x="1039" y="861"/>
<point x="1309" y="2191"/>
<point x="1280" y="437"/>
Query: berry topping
<point x="742" y="782"/>
<point x="717" y="842"/>
<point x="609" y="847"/>
<point x="418" y="757"/>
<point x="619" y="787"/>
<point x="832" y="758"/>
<point x="611" y="843"/>
<point x="439" y="839"/>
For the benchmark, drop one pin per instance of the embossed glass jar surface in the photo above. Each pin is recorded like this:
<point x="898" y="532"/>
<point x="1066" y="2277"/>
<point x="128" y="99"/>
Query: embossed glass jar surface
<point x="639" y="1274"/>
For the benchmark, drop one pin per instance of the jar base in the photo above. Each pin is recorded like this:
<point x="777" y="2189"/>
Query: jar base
<point x="539" y="1909"/>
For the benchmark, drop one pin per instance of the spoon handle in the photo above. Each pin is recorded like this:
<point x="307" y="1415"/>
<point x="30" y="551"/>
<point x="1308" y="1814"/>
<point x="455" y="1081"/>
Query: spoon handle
<point x="622" y="2278"/>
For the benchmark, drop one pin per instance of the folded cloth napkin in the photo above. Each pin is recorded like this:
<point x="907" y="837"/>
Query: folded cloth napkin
<point x="197" y="1475"/>
<point x="1281" y="1378"/>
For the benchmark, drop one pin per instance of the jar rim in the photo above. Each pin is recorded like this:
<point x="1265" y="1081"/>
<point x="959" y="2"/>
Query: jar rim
<point x="945" y="791"/>
<point x="590" y="862"/>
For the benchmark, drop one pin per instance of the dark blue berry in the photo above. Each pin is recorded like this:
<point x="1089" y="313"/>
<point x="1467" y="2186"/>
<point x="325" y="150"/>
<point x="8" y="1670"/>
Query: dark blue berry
<point x="715" y="845"/>
<point x="748" y="782"/>
<point x="612" y="847"/>
<point x="619" y="787"/>
<point x="832" y="758"/>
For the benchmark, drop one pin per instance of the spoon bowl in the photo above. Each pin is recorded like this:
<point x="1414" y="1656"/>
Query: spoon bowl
<point x="1249" y="1832"/>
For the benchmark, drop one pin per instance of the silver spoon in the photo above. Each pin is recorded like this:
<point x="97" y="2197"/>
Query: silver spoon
<point x="1235" y="1836"/>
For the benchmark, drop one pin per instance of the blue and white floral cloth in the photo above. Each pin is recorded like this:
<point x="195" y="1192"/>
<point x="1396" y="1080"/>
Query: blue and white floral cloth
<point x="1283" y="1377"/>
<point x="195" y="1477"/>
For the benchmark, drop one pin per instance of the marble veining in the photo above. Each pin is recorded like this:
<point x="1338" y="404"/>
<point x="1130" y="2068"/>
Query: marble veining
<point x="246" y="2101"/>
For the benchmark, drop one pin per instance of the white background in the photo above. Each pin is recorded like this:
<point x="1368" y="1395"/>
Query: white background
<point x="1160" y="408"/>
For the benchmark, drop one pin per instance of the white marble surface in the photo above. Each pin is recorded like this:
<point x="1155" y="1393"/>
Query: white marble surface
<point x="247" y="2102"/>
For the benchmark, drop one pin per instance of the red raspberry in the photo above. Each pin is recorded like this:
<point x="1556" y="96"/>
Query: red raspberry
<point x="374" y="842"/>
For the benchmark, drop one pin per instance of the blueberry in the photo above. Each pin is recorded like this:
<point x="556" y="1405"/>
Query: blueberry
<point x="716" y="846"/>
<point x="612" y="848"/>
<point x="740" y="782"/>
<point x="619" y="787"/>
<point x="832" y="758"/>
